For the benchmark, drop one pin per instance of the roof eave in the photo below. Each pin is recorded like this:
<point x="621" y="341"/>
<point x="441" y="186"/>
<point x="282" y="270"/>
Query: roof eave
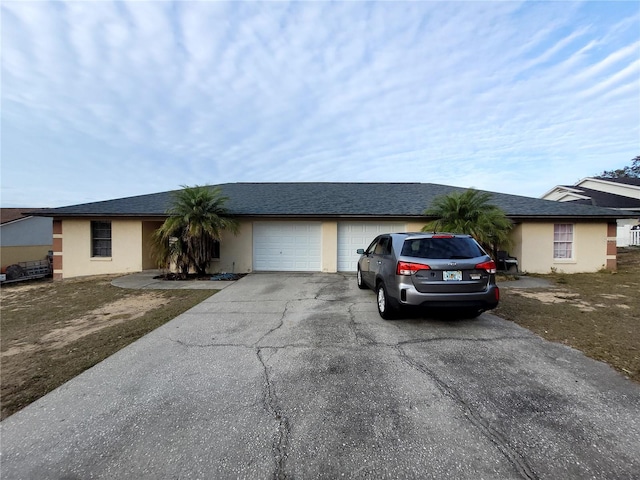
<point x="101" y="215"/>
<point x="571" y="217"/>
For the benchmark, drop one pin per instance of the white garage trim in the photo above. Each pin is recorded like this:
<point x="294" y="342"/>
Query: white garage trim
<point x="354" y="235"/>
<point x="287" y="246"/>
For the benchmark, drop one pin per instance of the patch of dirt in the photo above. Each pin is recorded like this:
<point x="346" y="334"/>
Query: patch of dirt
<point x="110" y="314"/>
<point x="612" y="296"/>
<point x="551" y="297"/>
<point x="15" y="290"/>
<point x="54" y="330"/>
<point x="597" y="313"/>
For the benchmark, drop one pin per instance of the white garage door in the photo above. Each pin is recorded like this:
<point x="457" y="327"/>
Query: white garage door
<point x="355" y="235"/>
<point x="287" y="246"/>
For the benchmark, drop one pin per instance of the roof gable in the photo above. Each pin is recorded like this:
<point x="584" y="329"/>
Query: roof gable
<point x="624" y="188"/>
<point x="621" y="180"/>
<point x="12" y="214"/>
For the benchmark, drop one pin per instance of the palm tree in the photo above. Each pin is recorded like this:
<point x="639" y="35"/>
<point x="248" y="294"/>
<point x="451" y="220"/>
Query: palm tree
<point x="196" y="221"/>
<point x="472" y="213"/>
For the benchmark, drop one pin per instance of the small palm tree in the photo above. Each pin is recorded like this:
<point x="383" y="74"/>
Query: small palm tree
<point x="196" y="221"/>
<point x="472" y="213"/>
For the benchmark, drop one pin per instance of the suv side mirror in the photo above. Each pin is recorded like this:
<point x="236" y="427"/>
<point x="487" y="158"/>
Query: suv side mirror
<point x="360" y="251"/>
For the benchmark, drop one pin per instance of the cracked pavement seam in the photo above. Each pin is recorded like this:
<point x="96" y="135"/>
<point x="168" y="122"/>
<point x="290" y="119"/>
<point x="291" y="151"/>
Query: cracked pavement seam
<point x="513" y="456"/>
<point x="464" y="339"/>
<point x="281" y="441"/>
<point x="352" y="323"/>
<point x="271" y="330"/>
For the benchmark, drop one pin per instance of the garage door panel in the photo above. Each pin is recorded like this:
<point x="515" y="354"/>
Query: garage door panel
<point x="287" y="246"/>
<point x="354" y="235"/>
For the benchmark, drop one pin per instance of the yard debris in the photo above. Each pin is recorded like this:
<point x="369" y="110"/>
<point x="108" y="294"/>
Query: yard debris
<point x="226" y="276"/>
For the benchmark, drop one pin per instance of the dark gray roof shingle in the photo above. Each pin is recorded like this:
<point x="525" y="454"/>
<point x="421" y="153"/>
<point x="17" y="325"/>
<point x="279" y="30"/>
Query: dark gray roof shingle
<point x="604" y="199"/>
<point x="331" y="200"/>
<point x="624" y="180"/>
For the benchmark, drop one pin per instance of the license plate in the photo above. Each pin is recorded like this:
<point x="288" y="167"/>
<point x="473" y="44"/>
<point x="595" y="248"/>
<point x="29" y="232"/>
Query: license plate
<point x="452" y="276"/>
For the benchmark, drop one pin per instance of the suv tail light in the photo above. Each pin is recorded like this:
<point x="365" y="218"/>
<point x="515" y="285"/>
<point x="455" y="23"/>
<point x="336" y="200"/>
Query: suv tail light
<point x="408" y="268"/>
<point x="489" y="266"/>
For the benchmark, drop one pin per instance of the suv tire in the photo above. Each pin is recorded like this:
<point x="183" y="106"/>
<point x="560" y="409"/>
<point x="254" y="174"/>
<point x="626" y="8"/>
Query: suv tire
<point x="361" y="284"/>
<point x="385" y="309"/>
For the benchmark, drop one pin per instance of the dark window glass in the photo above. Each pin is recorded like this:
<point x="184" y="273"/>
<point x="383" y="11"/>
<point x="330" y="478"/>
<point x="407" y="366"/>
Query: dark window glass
<point x="371" y="246"/>
<point x="442" y="248"/>
<point x="384" y="246"/>
<point x="100" y="239"/>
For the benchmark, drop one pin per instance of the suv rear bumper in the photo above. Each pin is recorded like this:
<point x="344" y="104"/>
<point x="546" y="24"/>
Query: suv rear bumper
<point x="407" y="294"/>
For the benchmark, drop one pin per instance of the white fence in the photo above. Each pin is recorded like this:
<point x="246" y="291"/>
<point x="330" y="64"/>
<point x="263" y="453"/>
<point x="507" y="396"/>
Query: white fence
<point x="627" y="237"/>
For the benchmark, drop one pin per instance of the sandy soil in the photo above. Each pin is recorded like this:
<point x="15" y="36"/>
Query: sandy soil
<point x="109" y="314"/>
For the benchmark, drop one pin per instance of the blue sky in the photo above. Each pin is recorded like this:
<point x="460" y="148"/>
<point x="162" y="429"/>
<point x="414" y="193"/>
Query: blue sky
<point x="106" y="99"/>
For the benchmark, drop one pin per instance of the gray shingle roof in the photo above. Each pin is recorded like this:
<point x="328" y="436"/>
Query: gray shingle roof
<point x="604" y="199"/>
<point x="331" y="200"/>
<point x="624" y="180"/>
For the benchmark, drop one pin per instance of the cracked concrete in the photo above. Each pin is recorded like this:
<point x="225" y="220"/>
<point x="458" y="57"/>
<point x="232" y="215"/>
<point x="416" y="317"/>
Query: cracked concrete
<point x="271" y="404"/>
<point x="514" y="457"/>
<point x="296" y="376"/>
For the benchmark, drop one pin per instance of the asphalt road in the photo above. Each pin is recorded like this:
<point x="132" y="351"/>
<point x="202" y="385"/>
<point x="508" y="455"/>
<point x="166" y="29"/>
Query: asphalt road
<point x="296" y="376"/>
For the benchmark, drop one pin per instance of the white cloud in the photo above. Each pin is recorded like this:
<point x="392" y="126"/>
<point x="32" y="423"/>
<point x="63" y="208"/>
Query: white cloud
<point x="461" y="93"/>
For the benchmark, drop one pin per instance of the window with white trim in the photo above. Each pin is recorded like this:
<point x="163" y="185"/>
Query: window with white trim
<point x="100" y="239"/>
<point x="563" y="241"/>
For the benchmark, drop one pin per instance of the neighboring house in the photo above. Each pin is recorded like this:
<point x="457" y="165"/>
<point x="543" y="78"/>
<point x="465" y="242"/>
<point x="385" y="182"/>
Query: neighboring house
<point x="23" y="236"/>
<point x="620" y="193"/>
<point x="318" y="227"/>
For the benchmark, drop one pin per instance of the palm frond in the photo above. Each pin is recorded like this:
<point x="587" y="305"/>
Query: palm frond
<point x="197" y="219"/>
<point x="471" y="212"/>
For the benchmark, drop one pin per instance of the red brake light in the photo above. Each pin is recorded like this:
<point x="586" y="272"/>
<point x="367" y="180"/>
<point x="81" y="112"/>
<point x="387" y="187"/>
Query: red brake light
<point x="489" y="266"/>
<point x="443" y="236"/>
<point x="408" y="268"/>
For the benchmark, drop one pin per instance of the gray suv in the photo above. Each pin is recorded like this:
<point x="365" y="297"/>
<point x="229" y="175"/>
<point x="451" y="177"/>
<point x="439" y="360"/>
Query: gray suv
<point x="428" y="270"/>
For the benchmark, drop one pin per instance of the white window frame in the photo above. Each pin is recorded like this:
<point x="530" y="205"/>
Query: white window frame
<point x="564" y="247"/>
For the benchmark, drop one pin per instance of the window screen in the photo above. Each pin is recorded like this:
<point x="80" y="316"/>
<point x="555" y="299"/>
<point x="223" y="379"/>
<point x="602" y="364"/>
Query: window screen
<point x="100" y="239"/>
<point x="563" y="240"/>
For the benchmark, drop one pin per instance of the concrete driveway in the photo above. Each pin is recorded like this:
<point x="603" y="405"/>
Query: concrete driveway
<point x="296" y="376"/>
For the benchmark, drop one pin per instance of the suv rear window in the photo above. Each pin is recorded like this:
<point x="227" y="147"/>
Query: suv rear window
<point x="441" y="248"/>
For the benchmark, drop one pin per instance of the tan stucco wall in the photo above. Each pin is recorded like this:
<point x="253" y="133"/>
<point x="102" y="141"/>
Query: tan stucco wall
<point x="330" y="246"/>
<point x="126" y="249"/>
<point x="148" y="228"/>
<point x="536" y="252"/>
<point x="516" y="247"/>
<point x="533" y="246"/>
<point x="236" y="252"/>
<point x="11" y="255"/>
<point x="415" y="226"/>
